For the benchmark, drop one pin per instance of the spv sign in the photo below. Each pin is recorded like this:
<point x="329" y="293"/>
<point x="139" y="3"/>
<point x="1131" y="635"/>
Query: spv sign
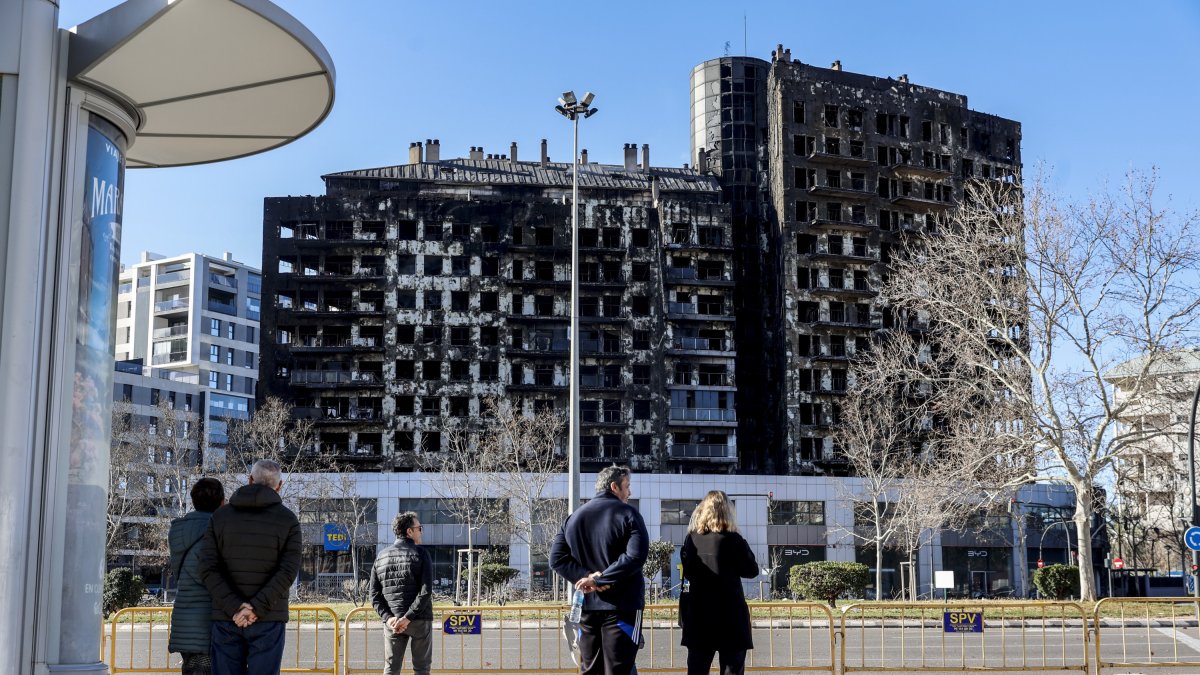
<point x="463" y="624"/>
<point x="963" y="622"/>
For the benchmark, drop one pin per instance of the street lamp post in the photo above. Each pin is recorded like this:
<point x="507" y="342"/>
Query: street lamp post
<point x="1192" y="483"/>
<point x="571" y="108"/>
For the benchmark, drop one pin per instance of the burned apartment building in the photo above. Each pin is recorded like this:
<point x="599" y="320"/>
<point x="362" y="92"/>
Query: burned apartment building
<point x="826" y="171"/>
<point x="406" y="296"/>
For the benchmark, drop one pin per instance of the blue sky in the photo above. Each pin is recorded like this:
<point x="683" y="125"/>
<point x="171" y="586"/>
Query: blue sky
<point x="1099" y="87"/>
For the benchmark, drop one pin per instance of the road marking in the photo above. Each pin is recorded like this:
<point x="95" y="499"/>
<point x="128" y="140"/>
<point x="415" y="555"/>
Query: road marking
<point x="1177" y="635"/>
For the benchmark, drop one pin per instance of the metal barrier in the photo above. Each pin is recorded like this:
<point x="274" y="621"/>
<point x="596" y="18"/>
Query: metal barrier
<point x="511" y="639"/>
<point x="914" y="637"/>
<point x="1163" y="624"/>
<point x="142" y="634"/>
<point x="797" y="637"/>
<point x="138" y="641"/>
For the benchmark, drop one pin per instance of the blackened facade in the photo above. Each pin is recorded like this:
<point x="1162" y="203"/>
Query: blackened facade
<point x="407" y="295"/>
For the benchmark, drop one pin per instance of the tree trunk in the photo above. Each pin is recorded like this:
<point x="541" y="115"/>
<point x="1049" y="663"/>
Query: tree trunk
<point x="1083" y="530"/>
<point x="470" y="565"/>
<point x="878" y="566"/>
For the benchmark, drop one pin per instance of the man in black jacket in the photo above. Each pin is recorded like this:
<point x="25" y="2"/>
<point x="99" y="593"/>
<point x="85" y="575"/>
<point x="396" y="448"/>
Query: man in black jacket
<point x="248" y="561"/>
<point x="601" y="548"/>
<point x="401" y="591"/>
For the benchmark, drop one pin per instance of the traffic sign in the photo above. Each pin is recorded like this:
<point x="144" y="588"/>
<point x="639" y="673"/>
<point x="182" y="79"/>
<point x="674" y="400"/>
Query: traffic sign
<point x="1192" y="538"/>
<point x="1041" y="563"/>
<point x="1118" y="564"/>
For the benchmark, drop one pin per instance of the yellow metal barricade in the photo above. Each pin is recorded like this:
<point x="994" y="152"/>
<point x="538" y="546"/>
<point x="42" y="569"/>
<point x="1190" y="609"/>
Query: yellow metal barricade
<point x="138" y="641"/>
<point x="1042" y="637"/>
<point x="1137" y="633"/>
<point x="315" y="637"/>
<point x="138" y="636"/>
<point x="511" y="639"/>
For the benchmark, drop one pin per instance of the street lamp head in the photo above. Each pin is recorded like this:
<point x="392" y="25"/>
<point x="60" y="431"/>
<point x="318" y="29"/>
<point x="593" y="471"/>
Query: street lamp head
<point x="568" y="98"/>
<point x="591" y="112"/>
<point x="587" y="99"/>
<point x="564" y="112"/>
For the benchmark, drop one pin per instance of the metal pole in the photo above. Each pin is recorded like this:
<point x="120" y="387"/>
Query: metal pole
<point x="573" y="394"/>
<point x="1192" y="483"/>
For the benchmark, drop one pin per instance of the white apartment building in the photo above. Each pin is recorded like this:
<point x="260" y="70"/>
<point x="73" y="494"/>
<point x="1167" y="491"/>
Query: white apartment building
<point x="197" y="314"/>
<point x="1152" y="483"/>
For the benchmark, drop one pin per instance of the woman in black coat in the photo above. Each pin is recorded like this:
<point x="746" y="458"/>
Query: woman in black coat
<point x="715" y="617"/>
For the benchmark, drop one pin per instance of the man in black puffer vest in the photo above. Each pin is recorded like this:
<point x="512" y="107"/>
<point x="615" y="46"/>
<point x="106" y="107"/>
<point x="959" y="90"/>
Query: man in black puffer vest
<point x="402" y="593"/>
<point x="602" y="548"/>
<point x="249" y="559"/>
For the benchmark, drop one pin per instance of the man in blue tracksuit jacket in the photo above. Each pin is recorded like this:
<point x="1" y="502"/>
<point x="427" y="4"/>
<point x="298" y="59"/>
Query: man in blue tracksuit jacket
<point x="601" y="548"/>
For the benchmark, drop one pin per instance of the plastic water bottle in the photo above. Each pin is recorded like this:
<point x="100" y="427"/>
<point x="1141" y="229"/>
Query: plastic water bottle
<point x="576" y="612"/>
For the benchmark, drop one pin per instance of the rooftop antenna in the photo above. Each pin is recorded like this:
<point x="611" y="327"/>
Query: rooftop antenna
<point x="745" y="33"/>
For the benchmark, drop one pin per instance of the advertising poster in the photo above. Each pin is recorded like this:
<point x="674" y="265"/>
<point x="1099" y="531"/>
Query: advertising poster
<point x="98" y="236"/>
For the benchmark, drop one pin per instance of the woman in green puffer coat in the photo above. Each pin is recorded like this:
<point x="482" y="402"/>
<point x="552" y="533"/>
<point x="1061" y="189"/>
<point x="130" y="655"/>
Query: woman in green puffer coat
<point x="192" y="616"/>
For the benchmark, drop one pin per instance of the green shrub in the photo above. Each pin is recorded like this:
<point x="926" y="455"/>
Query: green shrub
<point x="658" y="560"/>
<point x="1057" y="581"/>
<point x="122" y="588"/>
<point x="493" y="575"/>
<point x="828" y="581"/>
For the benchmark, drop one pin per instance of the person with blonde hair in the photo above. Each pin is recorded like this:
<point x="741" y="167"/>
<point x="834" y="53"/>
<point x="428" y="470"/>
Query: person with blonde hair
<point x="715" y="617"/>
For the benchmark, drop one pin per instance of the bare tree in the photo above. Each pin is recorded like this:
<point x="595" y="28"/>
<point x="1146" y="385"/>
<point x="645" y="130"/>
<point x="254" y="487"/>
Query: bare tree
<point x="153" y="461"/>
<point x="1040" y="300"/>
<point x="465" y="486"/>
<point x="272" y="432"/>
<point x="525" y="449"/>
<point x="332" y="496"/>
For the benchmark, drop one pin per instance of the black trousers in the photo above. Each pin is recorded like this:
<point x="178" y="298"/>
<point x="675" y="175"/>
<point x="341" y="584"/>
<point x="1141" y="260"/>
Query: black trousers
<point x="733" y="661"/>
<point x="608" y="642"/>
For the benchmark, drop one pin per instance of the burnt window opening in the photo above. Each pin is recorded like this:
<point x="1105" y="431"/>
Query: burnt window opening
<point x="808" y="312"/>
<point x="543" y="305"/>
<point x="806" y="244"/>
<point x="803" y="145"/>
<point x="641" y="339"/>
<point x="833" y="178"/>
<point x="944" y="133"/>
<point x="460" y="336"/>
<point x="903" y="126"/>
<point x="611" y="237"/>
<point x="640" y="305"/>
<point x="406" y="230"/>
<point x="433" y="265"/>
<point x="543" y="270"/>
<point x="833" y="146"/>
<point x="405" y="405"/>
<point x="837" y="312"/>
<point x="833" y="211"/>
<point x="862" y="314"/>
<point x="544" y="236"/>
<point x="431" y="370"/>
<point x="433" y="232"/>
<point x="861" y="281"/>
<point x="804" y="345"/>
<point x="460" y="231"/>
<point x="489" y="336"/>
<point x="406" y="334"/>
<point x="431" y="441"/>
<point x="460" y="371"/>
<point x="837" y="278"/>
<point x="641" y="374"/>
<point x="516" y="373"/>
<point x="518" y="304"/>
<point x="460" y="301"/>
<point x="431" y="335"/>
<point x="405" y="370"/>
<point x="460" y="265"/>
<point x="858" y="150"/>
<point x="640" y="238"/>
<point x="837" y="345"/>
<point x="859" y="246"/>
<point x="460" y="406"/>
<point x="835" y="244"/>
<point x="489" y="267"/>
<point x="858" y="214"/>
<point x="831" y="116"/>
<point x="854" y="119"/>
<point x="489" y="301"/>
<point x="927" y="131"/>
<point x="490" y="234"/>
<point x="489" y="371"/>
<point x="589" y="306"/>
<point x="640" y="271"/>
<point x="431" y="406"/>
<point x="433" y="299"/>
<point x="406" y="299"/>
<point x="798" y="112"/>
